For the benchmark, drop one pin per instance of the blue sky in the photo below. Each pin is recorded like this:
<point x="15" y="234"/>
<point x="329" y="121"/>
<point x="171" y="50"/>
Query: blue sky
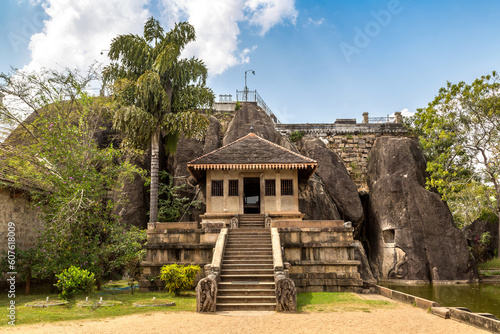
<point x="315" y="61"/>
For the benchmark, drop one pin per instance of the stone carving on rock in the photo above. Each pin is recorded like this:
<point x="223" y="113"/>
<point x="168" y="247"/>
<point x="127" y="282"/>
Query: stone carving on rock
<point x="286" y="295"/>
<point x="206" y="295"/>
<point x="400" y="269"/>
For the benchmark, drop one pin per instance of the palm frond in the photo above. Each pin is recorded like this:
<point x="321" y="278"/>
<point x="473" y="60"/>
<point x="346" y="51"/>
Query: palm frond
<point x="137" y="125"/>
<point x="153" y="30"/>
<point x="181" y="35"/>
<point x="189" y="123"/>
<point x="166" y="59"/>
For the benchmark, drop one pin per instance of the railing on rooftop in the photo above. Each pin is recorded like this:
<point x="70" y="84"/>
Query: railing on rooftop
<point x="225" y="98"/>
<point x="381" y="120"/>
<point x="252" y="96"/>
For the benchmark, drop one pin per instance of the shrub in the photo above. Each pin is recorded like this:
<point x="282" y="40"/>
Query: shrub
<point x="178" y="278"/>
<point x="238" y="106"/>
<point x="73" y="281"/>
<point x="296" y="136"/>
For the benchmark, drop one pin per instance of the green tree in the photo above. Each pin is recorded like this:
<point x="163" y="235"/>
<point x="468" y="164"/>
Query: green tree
<point x="55" y="155"/>
<point x="460" y="133"/>
<point x="171" y="204"/>
<point x="158" y="92"/>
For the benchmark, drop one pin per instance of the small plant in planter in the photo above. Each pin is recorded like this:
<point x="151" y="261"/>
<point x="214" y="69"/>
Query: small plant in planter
<point x="178" y="278"/>
<point x="74" y="281"/>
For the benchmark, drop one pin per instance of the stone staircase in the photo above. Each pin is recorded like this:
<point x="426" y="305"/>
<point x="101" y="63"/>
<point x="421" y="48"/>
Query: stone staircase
<point x="247" y="274"/>
<point x="251" y="221"/>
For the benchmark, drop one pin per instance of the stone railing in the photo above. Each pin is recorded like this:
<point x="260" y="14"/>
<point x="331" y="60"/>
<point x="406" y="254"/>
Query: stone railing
<point x="206" y="290"/>
<point x="286" y="293"/>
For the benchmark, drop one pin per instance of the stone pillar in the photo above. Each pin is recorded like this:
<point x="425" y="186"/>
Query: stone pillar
<point x="399" y="117"/>
<point x="365" y="118"/>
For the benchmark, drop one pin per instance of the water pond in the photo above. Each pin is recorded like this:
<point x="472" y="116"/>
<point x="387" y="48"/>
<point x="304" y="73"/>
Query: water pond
<point x="479" y="298"/>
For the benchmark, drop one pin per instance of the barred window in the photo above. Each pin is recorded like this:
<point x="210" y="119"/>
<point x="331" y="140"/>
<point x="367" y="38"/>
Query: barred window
<point x="217" y="187"/>
<point x="233" y="187"/>
<point x="286" y="187"/>
<point x="270" y="187"/>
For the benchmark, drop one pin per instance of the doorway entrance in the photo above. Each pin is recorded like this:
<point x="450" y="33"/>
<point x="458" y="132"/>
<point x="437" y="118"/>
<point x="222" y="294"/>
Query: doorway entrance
<point x="251" y="189"/>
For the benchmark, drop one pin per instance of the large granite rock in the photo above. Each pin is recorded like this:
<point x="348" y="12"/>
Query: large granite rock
<point x="336" y="179"/>
<point x="315" y="202"/>
<point x="212" y="137"/>
<point x="252" y="115"/>
<point x="411" y="231"/>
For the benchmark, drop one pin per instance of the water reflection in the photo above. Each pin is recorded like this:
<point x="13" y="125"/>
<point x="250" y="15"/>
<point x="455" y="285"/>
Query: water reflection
<point x="479" y="298"/>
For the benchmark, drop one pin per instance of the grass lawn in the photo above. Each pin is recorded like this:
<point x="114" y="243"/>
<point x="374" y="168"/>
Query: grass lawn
<point x="337" y="302"/>
<point x="28" y="315"/>
<point x="491" y="264"/>
<point x="306" y="302"/>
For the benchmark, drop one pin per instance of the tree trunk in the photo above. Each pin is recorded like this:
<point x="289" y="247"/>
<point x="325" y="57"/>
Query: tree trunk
<point x="28" y="281"/>
<point x="155" y="166"/>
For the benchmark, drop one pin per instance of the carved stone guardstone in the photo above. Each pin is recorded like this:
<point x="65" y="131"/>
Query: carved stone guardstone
<point x="268" y="221"/>
<point x="234" y="222"/>
<point x="206" y="294"/>
<point x="286" y="295"/>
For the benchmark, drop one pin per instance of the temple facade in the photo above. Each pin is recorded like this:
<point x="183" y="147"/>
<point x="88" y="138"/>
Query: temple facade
<point x="252" y="176"/>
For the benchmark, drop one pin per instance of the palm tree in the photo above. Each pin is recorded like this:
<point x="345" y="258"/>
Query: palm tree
<point x="158" y="93"/>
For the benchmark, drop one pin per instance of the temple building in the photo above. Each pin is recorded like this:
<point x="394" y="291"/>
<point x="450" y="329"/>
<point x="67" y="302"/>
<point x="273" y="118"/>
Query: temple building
<point x="252" y="176"/>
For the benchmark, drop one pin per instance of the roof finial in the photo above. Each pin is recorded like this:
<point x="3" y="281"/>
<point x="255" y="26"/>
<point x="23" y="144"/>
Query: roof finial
<point x="251" y="128"/>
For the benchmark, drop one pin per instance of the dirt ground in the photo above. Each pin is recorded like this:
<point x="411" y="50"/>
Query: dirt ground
<point x="399" y="319"/>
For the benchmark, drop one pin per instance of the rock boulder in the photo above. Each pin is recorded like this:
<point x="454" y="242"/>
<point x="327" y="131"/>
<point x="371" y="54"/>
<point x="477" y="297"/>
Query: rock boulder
<point x="411" y="231"/>
<point x="337" y="181"/>
<point x="315" y="202"/>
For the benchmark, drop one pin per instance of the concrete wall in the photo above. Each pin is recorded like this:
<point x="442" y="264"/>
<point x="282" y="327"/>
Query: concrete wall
<point x="15" y="207"/>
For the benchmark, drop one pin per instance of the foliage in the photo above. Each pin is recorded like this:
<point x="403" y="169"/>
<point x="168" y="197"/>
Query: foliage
<point x="479" y="247"/>
<point x="459" y="132"/>
<point x="69" y="174"/>
<point x="238" y="106"/>
<point x="171" y="206"/>
<point x="74" y="281"/>
<point x="296" y="136"/>
<point x="178" y="278"/>
<point x="158" y="93"/>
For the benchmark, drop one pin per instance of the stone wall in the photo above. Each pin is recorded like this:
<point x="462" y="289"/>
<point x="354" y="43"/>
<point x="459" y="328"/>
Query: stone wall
<point x="15" y="207"/>
<point x="321" y="259"/>
<point x="354" y="151"/>
<point x="181" y="243"/>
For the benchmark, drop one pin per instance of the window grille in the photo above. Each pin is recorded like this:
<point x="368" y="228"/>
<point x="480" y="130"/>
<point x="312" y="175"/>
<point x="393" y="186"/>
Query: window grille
<point x="233" y="187"/>
<point x="286" y="187"/>
<point x="217" y="187"/>
<point x="270" y="188"/>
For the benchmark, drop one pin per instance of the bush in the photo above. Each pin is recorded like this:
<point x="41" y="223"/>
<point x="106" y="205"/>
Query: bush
<point x="479" y="247"/>
<point x="178" y="278"/>
<point x="238" y="106"/>
<point x="296" y="136"/>
<point x="74" y="281"/>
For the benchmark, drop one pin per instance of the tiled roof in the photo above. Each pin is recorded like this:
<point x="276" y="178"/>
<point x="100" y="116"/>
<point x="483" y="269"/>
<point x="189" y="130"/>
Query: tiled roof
<point x="251" y="152"/>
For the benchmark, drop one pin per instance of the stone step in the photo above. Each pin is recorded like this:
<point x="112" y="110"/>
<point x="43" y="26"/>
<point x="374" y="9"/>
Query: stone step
<point x="248" y="251"/>
<point x="247" y="271"/>
<point x="248" y="230"/>
<point x="247" y="265"/>
<point x="247" y="278"/>
<point x="246" y="307"/>
<point x="246" y="292"/>
<point x="245" y="299"/>
<point x="257" y="243"/>
<point x="247" y="285"/>
<point x="247" y="261"/>
<point x="249" y="257"/>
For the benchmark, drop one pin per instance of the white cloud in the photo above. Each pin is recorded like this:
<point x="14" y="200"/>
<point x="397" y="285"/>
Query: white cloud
<point x="268" y="13"/>
<point x="77" y="31"/>
<point x="217" y="31"/>
<point x="315" y="22"/>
